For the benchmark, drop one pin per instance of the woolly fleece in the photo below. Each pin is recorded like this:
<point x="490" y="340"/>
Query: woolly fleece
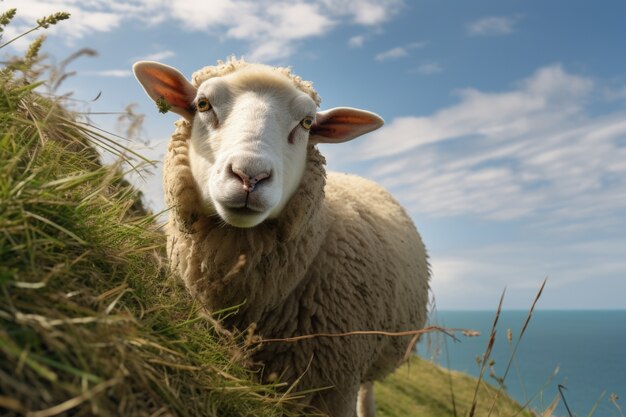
<point x="342" y="256"/>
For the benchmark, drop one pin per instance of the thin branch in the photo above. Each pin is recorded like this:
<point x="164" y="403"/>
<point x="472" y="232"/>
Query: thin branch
<point x="561" y="388"/>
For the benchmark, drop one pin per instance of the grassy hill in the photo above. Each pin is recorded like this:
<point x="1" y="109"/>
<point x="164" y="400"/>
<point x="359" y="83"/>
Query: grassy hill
<point x="91" y="321"/>
<point x="421" y="388"/>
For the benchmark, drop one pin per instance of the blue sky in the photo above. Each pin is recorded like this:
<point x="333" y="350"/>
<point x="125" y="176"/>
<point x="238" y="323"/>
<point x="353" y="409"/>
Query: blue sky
<point x="505" y="130"/>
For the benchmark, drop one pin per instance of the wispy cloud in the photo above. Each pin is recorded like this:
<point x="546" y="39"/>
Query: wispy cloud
<point x="498" y="115"/>
<point x="111" y="73"/>
<point x="429" y="68"/>
<point x="270" y="28"/>
<point x="532" y="152"/>
<point x="618" y="93"/>
<point x="485" y="271"/>
<point x="85" y="18"/>
<point x="156" y="56"/>
<point x="356" y="41"/>
<point x="399" y="51"/>
<point x="364" y="12"/>
<point x="492" y="26"/>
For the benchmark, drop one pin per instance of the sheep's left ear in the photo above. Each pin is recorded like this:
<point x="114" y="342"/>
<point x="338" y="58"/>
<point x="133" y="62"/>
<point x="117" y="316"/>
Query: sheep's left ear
<point x="342" y="124"/>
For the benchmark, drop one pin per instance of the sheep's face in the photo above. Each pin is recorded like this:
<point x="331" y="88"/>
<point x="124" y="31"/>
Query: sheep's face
<point x="250" y="132"/>
<point x="248" y="146"/>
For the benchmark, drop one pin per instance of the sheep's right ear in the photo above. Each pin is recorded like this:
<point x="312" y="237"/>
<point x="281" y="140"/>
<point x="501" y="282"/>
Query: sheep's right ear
<point x="163" y="82"/>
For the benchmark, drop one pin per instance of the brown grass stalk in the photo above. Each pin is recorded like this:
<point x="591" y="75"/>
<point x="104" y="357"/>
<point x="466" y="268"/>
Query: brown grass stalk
<point x="76" y="401"/>
<point x="519" y="339"/>
<point x="448" y="331"/>
<point x="492" y="339"/>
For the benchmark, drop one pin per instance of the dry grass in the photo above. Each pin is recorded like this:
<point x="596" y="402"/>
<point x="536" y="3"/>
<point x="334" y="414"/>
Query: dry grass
<point x="491" y="405"/>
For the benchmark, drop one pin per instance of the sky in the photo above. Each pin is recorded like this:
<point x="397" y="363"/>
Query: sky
<point x="505" y="133"/>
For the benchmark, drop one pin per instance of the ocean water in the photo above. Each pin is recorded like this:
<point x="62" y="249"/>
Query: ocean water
<point x="583" y="350"/>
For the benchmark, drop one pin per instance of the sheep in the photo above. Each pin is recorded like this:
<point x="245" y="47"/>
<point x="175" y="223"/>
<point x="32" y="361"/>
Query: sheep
<point x="256" y="222"/>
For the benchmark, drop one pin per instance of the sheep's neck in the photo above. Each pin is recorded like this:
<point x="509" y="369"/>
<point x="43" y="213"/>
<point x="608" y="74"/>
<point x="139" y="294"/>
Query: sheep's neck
<point x="256" y="268"/>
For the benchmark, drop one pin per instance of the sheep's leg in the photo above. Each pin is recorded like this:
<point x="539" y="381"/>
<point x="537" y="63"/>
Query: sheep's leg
<point x="366" y="405"/>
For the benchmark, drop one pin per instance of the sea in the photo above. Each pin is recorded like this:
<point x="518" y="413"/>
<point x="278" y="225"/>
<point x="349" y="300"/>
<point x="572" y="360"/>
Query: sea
<point x="584" y="351"/>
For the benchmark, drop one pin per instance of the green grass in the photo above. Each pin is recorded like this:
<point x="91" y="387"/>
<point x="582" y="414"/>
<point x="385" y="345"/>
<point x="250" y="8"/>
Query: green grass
<point x="421" y="388"/>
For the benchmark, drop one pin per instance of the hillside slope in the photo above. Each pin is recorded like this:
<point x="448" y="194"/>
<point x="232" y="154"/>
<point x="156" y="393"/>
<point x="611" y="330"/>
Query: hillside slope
<point x="421" y="388"/>
<point x="91" y="323"/>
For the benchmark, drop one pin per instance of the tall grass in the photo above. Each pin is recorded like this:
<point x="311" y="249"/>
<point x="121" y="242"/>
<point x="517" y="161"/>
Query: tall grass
<point x="91" y="322"/>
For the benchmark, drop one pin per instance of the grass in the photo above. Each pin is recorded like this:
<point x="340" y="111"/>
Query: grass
<point x="421" y="388"/>
<point x="91" y="322"/>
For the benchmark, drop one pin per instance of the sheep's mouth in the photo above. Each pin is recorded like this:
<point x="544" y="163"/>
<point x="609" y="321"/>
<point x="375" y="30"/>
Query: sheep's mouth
<point x="243" y="217"/>
<point x="243" y="211"/>
<point x="244" y="206"/>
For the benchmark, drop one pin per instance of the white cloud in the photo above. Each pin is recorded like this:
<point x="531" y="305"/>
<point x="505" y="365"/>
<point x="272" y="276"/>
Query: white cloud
<point x="532" y="152"/>
<point x="364" y="12"/>
<point x="494" y="115"/>
<point x="399" y="51"/>
<point x="476" y="277"/>
<point x="429" y="68"/>
<point x="356" y="41"/>
<point x="111" y="73"/>
<point x="297" y="21"/>
<point x="200" y="16"/>
<point x="615" y="93"/>
<point x="492" y="26"/>
<point x="271" y="28"/>
<point x="86" y="17"/>
<point x="157" y="56"/>
<point x="290" y="22"/>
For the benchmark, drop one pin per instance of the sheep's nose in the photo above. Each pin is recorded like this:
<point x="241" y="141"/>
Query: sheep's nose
<point x="249" y="181"/>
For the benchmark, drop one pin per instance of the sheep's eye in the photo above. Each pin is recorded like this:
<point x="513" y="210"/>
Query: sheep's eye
<point x="307" y="122"/>
<point x="203" y="105"/>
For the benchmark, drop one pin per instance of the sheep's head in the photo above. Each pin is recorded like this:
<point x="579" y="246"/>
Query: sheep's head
<point x="250" y="132"/>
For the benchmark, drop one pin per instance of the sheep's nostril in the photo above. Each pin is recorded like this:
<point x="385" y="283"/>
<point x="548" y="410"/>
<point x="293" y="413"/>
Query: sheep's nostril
<point x="249" y="182"/>
<point x="255" y="180"/>
<point x="239" y="174"/>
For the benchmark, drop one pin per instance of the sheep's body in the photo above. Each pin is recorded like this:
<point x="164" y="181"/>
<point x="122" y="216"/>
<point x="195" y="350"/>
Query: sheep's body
<point x="349" y="260"/>
<point x="342" y="256"/>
